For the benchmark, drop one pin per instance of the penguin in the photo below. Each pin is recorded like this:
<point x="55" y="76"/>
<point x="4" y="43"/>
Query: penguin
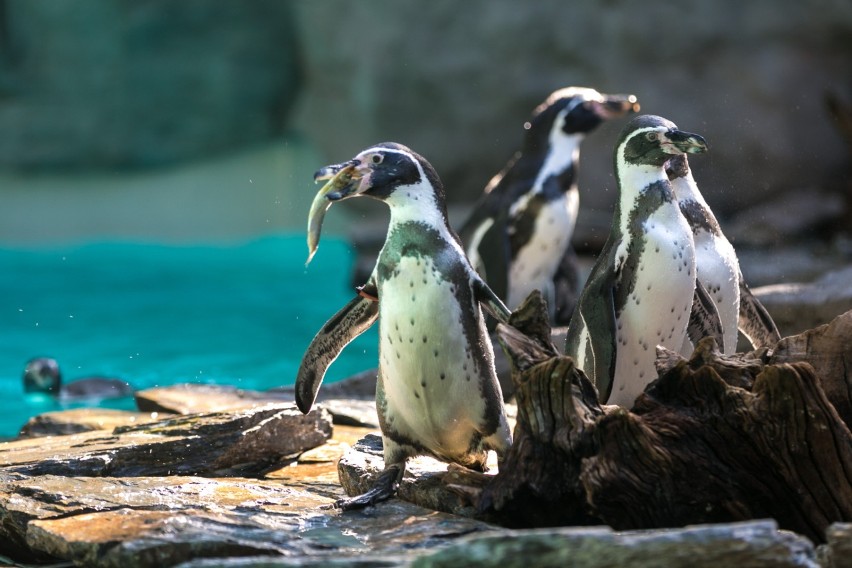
<point x="718" y="269"/>
<point x="42" y="375"/>
<point x="518" y="235"/>
<point x="437" y="393"/>
<point x="641" y="289"/>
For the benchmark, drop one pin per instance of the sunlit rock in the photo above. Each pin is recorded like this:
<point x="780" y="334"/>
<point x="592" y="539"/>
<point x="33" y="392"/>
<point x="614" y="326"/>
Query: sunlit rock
<point x="78" y="420"/>
<point x="201" y="444"/>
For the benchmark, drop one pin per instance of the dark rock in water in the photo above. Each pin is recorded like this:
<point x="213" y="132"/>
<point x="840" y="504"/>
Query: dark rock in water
<point x="358" y="410"/>
<point x="78" y="420"/>
<point x="246" y="441"/>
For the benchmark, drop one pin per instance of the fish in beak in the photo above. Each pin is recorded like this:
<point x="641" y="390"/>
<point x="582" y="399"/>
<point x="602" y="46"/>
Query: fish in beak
<point x="342" y="183"/>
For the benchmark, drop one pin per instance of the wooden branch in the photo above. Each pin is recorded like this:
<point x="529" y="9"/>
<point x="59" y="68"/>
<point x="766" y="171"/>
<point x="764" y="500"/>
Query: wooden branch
<point x="714" y="439"/>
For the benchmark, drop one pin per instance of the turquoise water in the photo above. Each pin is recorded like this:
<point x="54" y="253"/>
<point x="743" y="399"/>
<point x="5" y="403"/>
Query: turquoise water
<point x="157" y="315"/>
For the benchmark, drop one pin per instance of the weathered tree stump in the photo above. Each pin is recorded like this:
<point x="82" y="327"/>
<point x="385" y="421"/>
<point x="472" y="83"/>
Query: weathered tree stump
<point x="714" y="439"/>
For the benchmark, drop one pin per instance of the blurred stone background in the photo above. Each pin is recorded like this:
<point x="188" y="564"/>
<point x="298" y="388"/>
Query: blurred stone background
<point x="205" y="119"/>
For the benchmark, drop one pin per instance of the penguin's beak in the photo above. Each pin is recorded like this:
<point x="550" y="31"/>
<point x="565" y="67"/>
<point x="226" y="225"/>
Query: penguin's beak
<point x="615" y="106"/>
<point x="679" y="142"/>
<point x="344" y="180"/>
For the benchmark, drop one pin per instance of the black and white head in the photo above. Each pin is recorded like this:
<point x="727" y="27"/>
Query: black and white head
<point x="571" y="113"/>
<point x="644" y="147"/>
<point x="42" y="375"/>
<point x="389" y="172"/>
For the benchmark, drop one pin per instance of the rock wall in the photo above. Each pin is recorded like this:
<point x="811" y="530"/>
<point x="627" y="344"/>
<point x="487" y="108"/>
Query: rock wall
<point x="121" y="83"/>
<point x="456" y="81"/>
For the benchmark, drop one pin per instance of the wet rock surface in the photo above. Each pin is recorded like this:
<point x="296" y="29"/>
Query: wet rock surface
<point x="281" y="516"/>
<point x="241" y="478"/>
<point x="202" y="444"/>
<point x="84" y="420"/>
<point x="356" y="409"/>
<point x="163" y="521"/>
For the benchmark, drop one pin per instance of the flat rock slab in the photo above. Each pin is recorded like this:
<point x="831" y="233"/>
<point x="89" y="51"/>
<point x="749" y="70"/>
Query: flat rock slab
<point x="164" y="521"/>
<point x="190" y="398"/>
<point x="753" y="544"/>
<point x="798" y="307"/>
<point x="202" y="444"/>
<point x="76" y="420"/>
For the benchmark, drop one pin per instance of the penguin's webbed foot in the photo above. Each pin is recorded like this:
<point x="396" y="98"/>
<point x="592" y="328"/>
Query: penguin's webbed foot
<point x="382" y="490"/>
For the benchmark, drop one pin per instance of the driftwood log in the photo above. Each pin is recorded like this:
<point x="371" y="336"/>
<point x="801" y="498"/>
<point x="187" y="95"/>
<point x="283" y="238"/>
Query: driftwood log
<point x="714" y="439"/>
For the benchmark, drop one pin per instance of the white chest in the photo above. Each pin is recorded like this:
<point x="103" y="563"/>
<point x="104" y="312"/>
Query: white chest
<point x="536" y="262"/>
<point x="718" y="270"/>
<point x="430" y="377"/>
<point x="658" y="307"/>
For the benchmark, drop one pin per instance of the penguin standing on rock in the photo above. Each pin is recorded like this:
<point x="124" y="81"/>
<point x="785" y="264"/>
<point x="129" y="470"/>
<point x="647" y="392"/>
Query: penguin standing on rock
<point x="640" y="291"/>
<point x="437" y="393"/>
<point x="718" y="268"/>
<point x="520" y="230"/>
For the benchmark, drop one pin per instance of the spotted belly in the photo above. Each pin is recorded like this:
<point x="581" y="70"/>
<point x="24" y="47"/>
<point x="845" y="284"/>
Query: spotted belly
<point x="432" y="379"/>
<point x="718" y="270"/>
<point x="535" y="264"/>
<point x="657" y="309"/>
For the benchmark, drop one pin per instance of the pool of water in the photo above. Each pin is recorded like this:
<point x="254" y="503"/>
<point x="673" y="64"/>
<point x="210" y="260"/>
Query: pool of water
<point x="157" y="315"/>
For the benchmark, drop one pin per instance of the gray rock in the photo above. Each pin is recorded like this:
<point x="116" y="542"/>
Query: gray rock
<point x="782" y="218"/>
<point x="755" y="544"/>
<point x="77" y="420"/>
<point x="346" y="400"/>
<point x="192" y="398"/>
<point x="799" y="307"/>
<point x="163" y="521"/>
<point x="837" y="553"/>
<point x="200" y="444"/>
<point x="141" y="84"/>
<point x="464" y="105"/>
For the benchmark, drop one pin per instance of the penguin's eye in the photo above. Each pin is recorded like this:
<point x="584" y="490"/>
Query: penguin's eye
<point x="652" y="136"/>
<point x="377" y="159"/>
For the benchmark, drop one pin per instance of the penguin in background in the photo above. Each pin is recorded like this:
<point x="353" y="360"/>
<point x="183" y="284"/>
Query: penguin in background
<point x="718" y="269"/>
<point x="42" y="375"/>
<point x="437" y="392"/>
<point x="518" y="236"/>
<point x="641" y="290"/>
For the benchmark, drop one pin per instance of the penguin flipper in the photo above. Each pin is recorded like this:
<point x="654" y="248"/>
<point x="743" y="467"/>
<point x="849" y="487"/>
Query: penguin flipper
<point x="490" y="301"/>
<point x="567" y="284"/>
<point x="704" y="320"/>
<point x="347" y="324"/>
<point x="754" y="321"/>
<point x="494" y="257"/>
<point x="596" y="309"/>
